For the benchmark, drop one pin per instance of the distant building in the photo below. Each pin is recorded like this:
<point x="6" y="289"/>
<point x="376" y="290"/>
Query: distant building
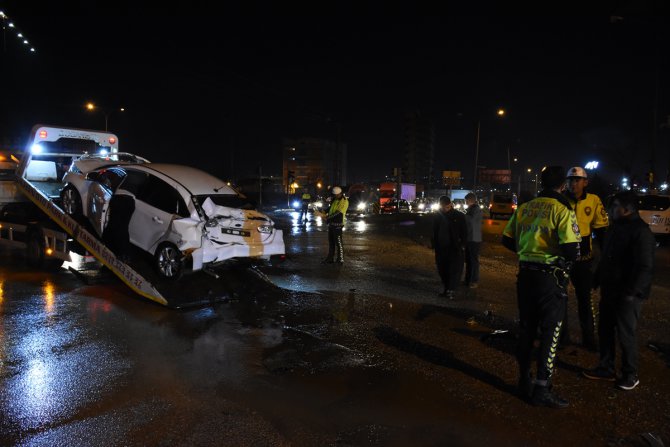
<point x="314" y="162"/>
<point x="419" y="149"/>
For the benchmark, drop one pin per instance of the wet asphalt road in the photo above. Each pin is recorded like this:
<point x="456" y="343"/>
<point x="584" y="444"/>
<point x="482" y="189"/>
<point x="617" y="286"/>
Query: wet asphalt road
<point x="306" y="354"/>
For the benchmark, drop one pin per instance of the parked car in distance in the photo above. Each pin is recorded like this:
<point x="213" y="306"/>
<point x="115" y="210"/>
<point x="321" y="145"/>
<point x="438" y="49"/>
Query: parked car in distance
<point x="425" y="205"/>
<point x="655" y="210"/>
<point x="394" y="206"/>
<point x="182" y="216"/>
<point x="501" y="206"/>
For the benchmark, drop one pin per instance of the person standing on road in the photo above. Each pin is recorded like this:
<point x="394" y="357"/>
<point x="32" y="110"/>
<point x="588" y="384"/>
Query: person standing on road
<point x="336" y="218"/>
<point x="450" y="234"/>
<point x="624" y="275"/>
<point x="473" y="217"/>
<point x="306" y="198"/>
<point x="545" y="235"/>
<point x="592" y="220"/>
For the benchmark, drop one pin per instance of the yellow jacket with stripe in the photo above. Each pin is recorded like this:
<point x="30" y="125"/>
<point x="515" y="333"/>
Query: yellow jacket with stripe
<point x="591" y="215"/>
<point x="544" y="230"/>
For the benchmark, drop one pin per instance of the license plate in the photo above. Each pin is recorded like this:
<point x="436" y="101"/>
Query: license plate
<point x="233" y="232"/>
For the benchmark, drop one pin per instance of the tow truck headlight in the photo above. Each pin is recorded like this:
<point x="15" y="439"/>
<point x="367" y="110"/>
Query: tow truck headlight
<point x="361" y="206"/>
<point x="265" y="229"/>
<point x="36" y="149"/>
<point x="435" y="206"/>
<point x="296" y="204"/>
<point x="422" y="206"/>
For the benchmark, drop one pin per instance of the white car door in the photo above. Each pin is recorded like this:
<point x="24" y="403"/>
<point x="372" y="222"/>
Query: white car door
<point x="155" y="206"/>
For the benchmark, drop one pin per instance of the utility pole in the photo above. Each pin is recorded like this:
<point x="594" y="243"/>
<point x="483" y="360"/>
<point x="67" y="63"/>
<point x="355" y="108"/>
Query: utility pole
<point x="474" y="181"/>
<point x="260" y="186"/>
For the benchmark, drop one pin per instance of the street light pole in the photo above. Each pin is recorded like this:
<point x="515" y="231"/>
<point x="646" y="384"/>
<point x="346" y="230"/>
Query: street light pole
<point x="474" y="181"/>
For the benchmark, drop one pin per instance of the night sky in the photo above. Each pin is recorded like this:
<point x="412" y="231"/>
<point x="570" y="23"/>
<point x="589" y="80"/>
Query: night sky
<point x="200" y="85"/>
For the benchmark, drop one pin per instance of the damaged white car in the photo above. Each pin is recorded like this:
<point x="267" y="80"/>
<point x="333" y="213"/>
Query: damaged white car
<point x="184" y="217"/>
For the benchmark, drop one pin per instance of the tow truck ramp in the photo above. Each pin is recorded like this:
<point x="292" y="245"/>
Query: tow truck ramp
<point x="91" y="243"/>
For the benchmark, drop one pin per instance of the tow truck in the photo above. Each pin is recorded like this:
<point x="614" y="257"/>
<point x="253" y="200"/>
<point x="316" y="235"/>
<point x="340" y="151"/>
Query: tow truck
<point x="35" y="222"/>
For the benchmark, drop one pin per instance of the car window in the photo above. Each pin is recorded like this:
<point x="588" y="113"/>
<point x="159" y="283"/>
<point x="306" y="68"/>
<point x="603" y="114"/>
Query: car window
<point x="134" y="181"/>
<point x="502" y="199"/>
<point x="161" y="195"/>
<point x="654" y="203"/>
<point x="111" y="178"/>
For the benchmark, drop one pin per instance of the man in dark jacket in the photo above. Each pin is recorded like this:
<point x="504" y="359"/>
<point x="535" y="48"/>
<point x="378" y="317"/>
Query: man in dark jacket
<point x="624" y="276"/>
<point x="450" y="233"/>
<point x="473" y="217"/>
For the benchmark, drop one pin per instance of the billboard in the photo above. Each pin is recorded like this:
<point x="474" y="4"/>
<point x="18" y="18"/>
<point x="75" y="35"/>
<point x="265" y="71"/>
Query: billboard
<point x="494" y="176"/>
<point x="451" y="178"/>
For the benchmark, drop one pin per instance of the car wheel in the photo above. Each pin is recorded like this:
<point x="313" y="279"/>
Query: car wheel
<point x="168" y="260"/>
<point x="71" y="201"/>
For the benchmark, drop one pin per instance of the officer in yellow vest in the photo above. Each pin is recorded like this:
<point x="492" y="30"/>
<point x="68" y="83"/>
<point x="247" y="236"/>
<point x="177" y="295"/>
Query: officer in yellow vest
<point x="545" y="235"/>
<point x="306" y="198"/>
<point x="592" y="220"/>
<point x="336" y="219"/>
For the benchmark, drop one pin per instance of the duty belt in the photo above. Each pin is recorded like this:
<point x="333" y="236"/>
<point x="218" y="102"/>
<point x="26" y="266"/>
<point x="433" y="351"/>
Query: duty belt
<point x="561" y="275"/>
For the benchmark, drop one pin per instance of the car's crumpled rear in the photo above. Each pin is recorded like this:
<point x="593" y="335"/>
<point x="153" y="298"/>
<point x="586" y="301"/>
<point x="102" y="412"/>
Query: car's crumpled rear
<point x="228" y="233"/>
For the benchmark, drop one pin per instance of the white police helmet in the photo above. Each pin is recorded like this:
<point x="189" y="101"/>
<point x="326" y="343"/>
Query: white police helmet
<point x="577" y="172"/>
<point x="336" y="190"/>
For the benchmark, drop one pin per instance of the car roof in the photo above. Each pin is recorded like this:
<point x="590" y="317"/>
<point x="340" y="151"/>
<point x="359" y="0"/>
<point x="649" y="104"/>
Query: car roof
<point x="196" y="181"/>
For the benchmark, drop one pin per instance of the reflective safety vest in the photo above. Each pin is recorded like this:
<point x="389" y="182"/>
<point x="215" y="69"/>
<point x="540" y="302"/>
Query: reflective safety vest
<point x="306" y="197"/>
<point x="539" y="227"/>
<point x="591" y="214"/>
<point x="339" y="206"/>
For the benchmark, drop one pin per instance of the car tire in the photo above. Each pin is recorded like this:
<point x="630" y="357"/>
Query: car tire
<point x="168" y="261"/>
<point x="71" y="201"/>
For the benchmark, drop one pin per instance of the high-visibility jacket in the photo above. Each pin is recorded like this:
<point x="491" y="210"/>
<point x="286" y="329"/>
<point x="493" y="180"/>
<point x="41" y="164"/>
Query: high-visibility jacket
<point x="337" y="213"/>
<point x="306" y="197"/>
<point x="591" y="215"/>
<point x="541" y="226"/>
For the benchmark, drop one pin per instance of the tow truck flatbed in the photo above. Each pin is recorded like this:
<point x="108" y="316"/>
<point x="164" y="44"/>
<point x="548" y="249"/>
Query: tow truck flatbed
<point x="201" y="287"/>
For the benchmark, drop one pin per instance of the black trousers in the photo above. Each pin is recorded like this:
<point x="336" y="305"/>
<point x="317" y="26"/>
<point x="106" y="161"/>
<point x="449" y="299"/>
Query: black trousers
<point x="581" y="276"/>
<point x="449" y="263"/>
<point x="618" y="317"/>
<point x="303" y="212"/>
<point x="335" y="247"/>
<point x="472" y="262"/>
<point x="541" y="299"/>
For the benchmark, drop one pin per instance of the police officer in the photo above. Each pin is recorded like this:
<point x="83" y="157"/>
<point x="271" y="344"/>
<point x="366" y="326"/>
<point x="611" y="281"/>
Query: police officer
<point x="545" y="235"/>
<point x="592" y="219"/>
<point x="336" y="219"/>
<point x="306" y="198"/>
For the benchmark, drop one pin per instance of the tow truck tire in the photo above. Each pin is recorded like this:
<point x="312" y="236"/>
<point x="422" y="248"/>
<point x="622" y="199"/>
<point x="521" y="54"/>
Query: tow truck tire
<point x="168" y="261"/>
<point x="71" y="201"/>
<point x="36" y="253"/>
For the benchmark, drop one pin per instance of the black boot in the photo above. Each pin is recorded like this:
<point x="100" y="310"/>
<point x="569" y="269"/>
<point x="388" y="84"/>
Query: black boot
<point x="525" y="386"/>
<point x="543" y="397"/>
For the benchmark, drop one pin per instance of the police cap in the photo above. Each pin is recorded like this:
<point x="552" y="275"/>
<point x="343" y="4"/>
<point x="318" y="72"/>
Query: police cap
<point x="552" y="176"/>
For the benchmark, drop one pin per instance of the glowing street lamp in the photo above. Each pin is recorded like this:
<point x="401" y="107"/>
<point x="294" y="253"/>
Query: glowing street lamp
<point x="92" y="107"/>
<point x="501" y="113"/>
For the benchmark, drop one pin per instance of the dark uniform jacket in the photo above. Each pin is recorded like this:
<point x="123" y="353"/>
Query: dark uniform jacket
<point x="450" y="231"/>
<point x="627" y="260"/>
